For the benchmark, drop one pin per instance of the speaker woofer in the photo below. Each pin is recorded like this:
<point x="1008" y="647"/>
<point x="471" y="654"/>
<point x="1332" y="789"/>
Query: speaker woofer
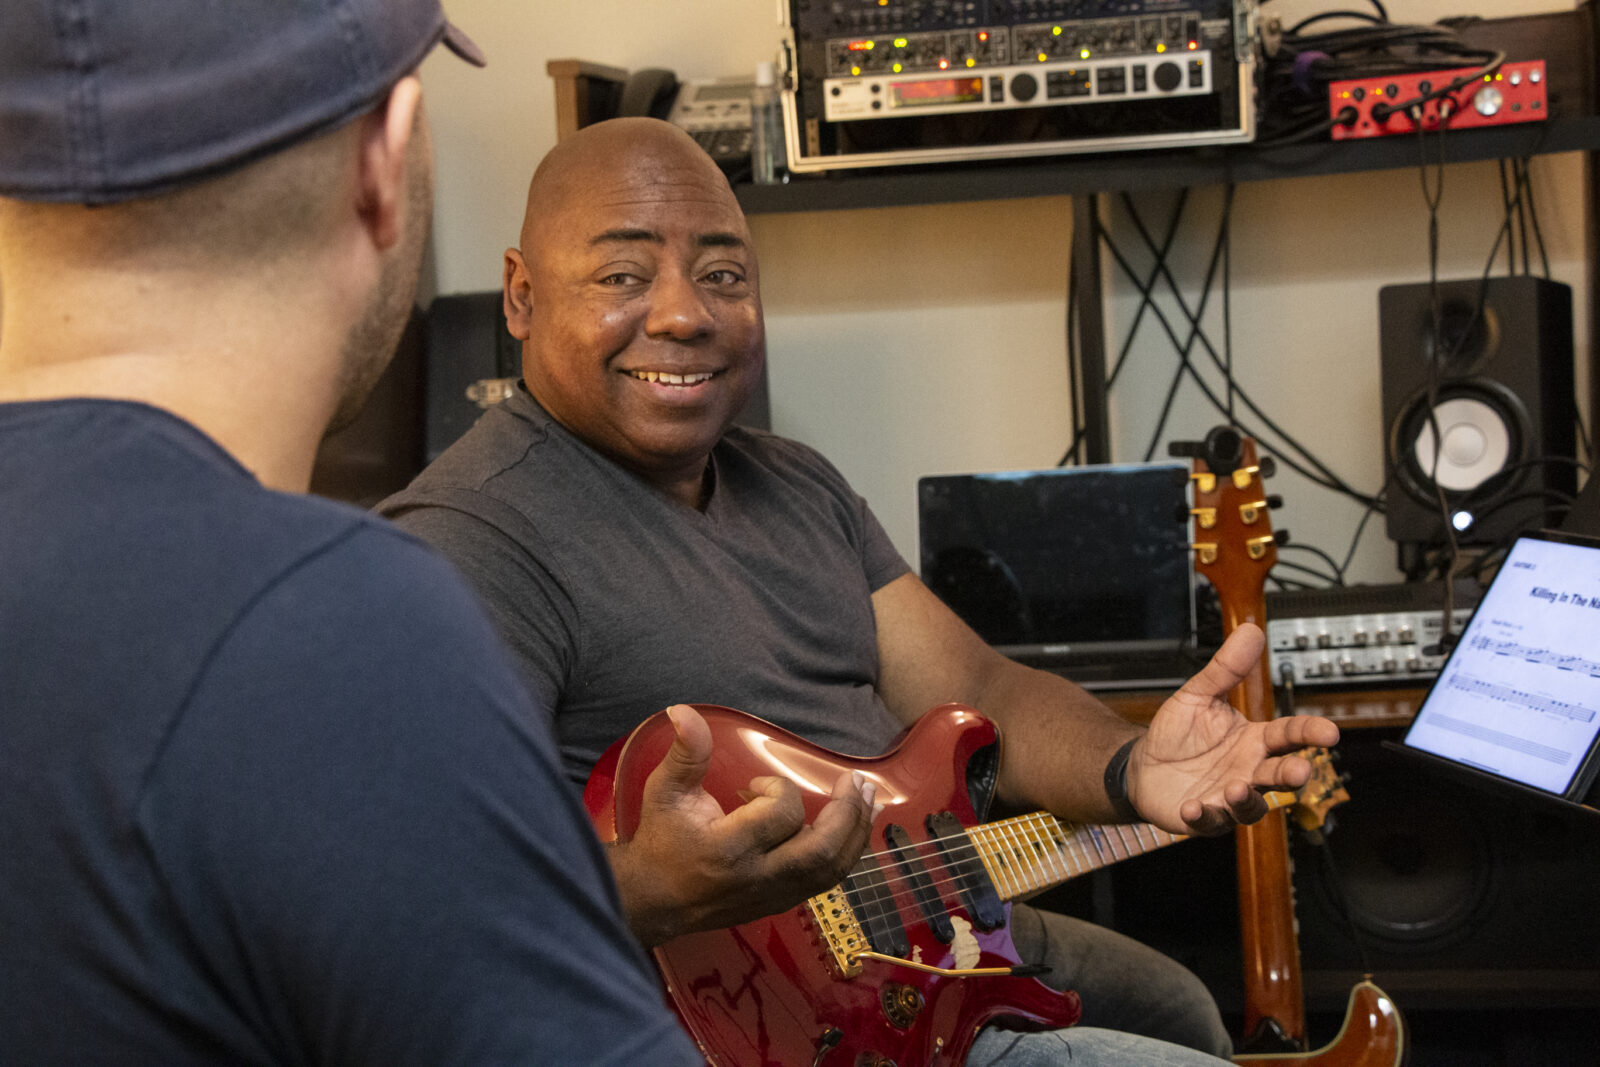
<point x="1483" y="454"/>
<point x="1498" y="356"/>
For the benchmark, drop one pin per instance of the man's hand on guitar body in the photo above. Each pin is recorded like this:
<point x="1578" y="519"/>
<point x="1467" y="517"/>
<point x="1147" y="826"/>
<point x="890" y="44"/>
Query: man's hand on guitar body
<point x="692" y="866"/>
<point x="1202" y="767"/>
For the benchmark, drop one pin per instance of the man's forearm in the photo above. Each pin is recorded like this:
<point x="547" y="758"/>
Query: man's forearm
<point x="1056" y="740"/>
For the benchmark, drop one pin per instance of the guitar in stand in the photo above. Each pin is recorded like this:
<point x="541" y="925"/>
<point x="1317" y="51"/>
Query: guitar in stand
<point x="1235" y="546"/>
<point x="910" y="955"/>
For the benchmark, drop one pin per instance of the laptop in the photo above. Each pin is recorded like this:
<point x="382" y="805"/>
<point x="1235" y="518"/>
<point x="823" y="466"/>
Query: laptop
<point x="1516" y="705"/>
<point x="1083" y="571"/>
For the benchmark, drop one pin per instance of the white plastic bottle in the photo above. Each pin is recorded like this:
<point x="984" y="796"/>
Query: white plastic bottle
<point x="767" y="159"/>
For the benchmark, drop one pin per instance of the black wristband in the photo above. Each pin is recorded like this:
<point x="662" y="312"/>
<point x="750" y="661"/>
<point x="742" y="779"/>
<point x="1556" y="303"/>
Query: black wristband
<point x="1117" y="782"/>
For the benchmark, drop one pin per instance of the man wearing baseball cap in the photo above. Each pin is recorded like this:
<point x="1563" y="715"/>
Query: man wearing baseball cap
<point x="269" y="791"/>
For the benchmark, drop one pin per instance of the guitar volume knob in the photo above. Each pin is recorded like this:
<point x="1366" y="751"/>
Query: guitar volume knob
<point x="901" y="1004"/>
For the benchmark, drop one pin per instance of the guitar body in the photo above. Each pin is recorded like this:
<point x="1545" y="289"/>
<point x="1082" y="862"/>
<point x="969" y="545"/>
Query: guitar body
<point x="1373" y="1035"/>
<point x="771" y="991"/>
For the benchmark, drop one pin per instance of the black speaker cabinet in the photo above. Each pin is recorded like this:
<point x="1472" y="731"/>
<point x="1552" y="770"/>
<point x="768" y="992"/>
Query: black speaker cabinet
<point x="1500" y="442"/>
<point x="1454" y="896"/>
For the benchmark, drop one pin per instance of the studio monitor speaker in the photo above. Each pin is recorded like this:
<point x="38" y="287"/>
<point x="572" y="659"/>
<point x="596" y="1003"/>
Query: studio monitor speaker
<point x="1497" y="441"/>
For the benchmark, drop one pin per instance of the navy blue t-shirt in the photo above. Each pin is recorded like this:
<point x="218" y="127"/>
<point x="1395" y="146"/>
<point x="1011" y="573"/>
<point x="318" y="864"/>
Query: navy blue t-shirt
<point x="269" y="791"/>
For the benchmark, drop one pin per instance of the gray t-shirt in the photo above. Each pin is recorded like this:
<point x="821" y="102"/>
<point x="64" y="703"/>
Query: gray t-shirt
<point x="618" y="600"/>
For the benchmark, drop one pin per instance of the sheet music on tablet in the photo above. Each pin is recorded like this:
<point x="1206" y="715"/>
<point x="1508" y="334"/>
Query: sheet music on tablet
<point x="1519" y="697"/>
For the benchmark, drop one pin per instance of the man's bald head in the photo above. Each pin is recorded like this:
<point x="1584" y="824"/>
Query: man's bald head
<point x="616" y="155"/>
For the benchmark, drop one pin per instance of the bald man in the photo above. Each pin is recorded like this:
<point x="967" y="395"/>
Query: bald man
<point x="638" y="549"/>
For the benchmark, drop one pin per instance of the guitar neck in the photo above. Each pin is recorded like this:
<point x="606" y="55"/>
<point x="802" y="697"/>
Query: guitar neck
<point x="1032" y="853"/>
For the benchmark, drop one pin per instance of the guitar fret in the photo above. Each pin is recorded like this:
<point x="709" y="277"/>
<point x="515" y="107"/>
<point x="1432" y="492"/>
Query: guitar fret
<point x="1019" y="855"/>
<point x="1127" y="850"/>
<point x="1084" y="860"/>
<point x="1097" y="837"/>
<point x="994" y="860"/>
<point x="1049" y="826"/>
<point x="1036" y="853"/>
<point x="1061" y="839"/>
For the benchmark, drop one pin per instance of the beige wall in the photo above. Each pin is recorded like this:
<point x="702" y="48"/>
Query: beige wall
<point x="914" y="340"/>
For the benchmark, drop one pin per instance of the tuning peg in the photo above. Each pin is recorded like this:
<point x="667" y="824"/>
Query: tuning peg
<point x="1281" y="537"/>
<point x="1180" y="513"/>
<point x="1274" y="501"/>
<point x="1268" y="466"/>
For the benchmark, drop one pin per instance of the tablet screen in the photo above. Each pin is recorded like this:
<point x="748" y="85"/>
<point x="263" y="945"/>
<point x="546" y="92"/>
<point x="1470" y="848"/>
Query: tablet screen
<point x="1519" y="696"/>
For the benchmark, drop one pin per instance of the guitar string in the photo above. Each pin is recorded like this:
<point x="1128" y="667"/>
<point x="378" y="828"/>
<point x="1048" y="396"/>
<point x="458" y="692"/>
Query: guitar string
<point x="875" y="898"/>
<point x="1095" y="849"/>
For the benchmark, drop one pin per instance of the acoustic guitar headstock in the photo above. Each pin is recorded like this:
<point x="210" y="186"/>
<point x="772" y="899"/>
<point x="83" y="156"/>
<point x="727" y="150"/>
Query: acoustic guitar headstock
<point x="1234" y="543"/>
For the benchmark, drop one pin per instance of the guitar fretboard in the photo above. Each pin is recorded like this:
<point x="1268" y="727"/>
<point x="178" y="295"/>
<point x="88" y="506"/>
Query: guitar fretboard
<point x="1031" y="853"/>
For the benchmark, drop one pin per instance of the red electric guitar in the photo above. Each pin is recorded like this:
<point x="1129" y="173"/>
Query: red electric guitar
<point x="906" y="959"/>
<point x="1235" y="547"/>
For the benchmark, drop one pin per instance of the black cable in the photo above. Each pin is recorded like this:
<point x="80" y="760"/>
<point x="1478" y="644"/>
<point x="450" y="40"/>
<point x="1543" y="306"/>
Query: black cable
<point x="1338" y="572"/>
<point x="1227" y="303"/>
<point x="1219" y="405"/>
<point x="1524" y="175"/>
<point x="1327" y="478"/>
<point x="1372" y="509"/>
<point x="1147" y="289"/>
<point x="1326" y="579"/>
<point x="1341" y="904"/>
<point x="1298" y="70"/>
<point x="1074" y="386"/>
<point x="1505" y="207"/>
<point x="1148" y="300"/>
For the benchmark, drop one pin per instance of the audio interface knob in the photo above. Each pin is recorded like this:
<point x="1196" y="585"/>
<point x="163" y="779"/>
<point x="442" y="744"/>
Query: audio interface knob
<point x="1168" y="76"/>
<point x="1024" y="87"/>
<point x="1488" y="100"/>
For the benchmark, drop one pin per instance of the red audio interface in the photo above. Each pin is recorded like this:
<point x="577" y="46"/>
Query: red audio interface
<point x="1394" y="104"/>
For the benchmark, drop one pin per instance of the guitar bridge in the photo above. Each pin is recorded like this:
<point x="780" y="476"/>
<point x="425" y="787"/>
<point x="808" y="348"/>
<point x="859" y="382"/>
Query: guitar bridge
<point x="837" y="922"/>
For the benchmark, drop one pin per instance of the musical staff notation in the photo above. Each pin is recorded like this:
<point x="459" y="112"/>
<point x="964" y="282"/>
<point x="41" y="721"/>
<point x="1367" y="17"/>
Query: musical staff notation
<point x="1519" y="697"/>
<point x="1559" y="660"/>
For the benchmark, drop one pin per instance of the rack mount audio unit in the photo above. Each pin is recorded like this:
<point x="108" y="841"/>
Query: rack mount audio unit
<point x="874" y="83"/>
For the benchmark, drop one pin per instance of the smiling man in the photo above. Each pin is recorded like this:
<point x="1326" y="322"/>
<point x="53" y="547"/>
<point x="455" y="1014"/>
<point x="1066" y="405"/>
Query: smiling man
<point x="635" y="295"/>
<point x="638" y="549"/>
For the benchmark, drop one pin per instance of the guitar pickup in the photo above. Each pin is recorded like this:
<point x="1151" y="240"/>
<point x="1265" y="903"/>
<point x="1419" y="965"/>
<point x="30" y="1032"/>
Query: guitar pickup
<point x="922" y="890"/>
<point x="972" y="880"/>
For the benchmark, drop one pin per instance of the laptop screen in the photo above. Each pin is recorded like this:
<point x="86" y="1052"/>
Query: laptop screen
<point x="1519" y="695"/>
<point x="1064" y="563"/>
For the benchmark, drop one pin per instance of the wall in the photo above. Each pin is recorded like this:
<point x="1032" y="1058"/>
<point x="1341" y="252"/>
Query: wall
<point x="914" y="340"/>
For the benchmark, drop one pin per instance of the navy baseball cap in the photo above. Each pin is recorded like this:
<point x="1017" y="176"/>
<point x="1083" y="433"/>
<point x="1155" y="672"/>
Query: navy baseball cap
<point x="108" y="100"/>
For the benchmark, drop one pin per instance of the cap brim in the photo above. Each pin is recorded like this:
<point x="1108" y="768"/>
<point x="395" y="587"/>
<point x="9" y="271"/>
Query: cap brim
<point x="463" y="46"/>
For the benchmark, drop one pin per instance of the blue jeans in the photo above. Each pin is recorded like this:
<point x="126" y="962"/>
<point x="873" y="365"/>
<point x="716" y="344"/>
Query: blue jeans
<point x="1140" y="1007"/>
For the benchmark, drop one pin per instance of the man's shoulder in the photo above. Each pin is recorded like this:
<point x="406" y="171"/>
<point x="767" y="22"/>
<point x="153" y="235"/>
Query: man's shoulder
<point x="782" y="457"/>
<point x="503" y="444"/>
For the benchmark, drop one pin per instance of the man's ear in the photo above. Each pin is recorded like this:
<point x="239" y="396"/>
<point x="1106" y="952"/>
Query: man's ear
<point x="517" y="295"/>
<point x="385" y="137"/>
